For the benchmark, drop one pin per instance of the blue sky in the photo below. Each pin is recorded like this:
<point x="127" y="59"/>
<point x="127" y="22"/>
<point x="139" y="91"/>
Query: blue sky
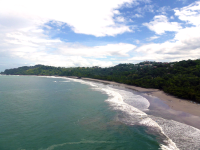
<point x="97" y="32"/>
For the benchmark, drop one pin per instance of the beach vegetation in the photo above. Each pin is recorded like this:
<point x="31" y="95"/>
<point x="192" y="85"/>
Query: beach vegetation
<point x="181" y="79"/>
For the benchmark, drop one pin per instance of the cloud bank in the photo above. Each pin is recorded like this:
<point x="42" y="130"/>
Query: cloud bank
<point x="85" y="17"/>
<point x="184" y="45"/>
<point x="25" y="32"/>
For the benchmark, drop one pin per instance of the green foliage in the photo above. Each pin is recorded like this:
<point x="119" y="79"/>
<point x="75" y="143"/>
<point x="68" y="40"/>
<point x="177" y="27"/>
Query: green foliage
<point x="181" y="79"/>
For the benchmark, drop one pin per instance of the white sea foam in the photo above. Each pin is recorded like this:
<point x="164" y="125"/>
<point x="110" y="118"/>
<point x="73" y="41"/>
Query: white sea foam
<point x="133" y="106"/>
<point x="153" y="126"/>
<point x="134" y="116"/>
<point x="134" y="100"/>
<point x="186" y="137"/>
<point x="132" y="113"/>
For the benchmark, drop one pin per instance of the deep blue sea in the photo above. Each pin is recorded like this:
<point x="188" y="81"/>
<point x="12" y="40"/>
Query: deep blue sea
<point x="49" y="113"/>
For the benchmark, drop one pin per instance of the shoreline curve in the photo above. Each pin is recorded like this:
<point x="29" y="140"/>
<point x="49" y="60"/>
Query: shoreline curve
<point x="172" y="101"/>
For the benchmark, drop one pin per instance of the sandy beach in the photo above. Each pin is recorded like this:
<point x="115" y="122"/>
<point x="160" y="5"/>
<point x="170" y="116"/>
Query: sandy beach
<point x="173" y="102"/>
<point x="161" y="104"/>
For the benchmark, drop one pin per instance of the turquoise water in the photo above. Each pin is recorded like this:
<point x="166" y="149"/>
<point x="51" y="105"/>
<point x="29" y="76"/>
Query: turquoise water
<point x="38" y="113"/>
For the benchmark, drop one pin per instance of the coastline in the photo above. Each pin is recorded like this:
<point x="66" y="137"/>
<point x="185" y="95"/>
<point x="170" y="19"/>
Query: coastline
<point x="180" y="129"/>
<point x="189" y="111"/>
<point x="173" y="102"/>
<point x="180" y="126"/>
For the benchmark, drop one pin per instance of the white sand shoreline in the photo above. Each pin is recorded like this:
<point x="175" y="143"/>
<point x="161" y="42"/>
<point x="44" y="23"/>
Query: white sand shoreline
<point x="173" y="102"/>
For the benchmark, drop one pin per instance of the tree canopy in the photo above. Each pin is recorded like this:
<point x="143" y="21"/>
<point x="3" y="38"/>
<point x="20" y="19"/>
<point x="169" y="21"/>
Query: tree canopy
<point x="181" y="79"/>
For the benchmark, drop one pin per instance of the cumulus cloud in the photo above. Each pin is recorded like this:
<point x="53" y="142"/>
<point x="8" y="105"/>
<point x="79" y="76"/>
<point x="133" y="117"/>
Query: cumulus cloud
<point x="67" y="61"/>
<point x="120" y="49"/>
<point x="34" y="46"/>
<point x="120" y="19"/>
<point x="84" y="17"/>
<point x="160" y="25"/>
<point x="137" y="16"/>
<point x="163" y="10"/>
<point x="146" y="8"/>
<point x="190" y="14"/>
<point x="184" y="45"/>
<point x="24" y="31"/>
<point x="152" y="38"/>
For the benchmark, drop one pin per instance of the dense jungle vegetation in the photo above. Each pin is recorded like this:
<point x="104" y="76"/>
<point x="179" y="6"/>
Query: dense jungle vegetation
<point x="181" y="79"/>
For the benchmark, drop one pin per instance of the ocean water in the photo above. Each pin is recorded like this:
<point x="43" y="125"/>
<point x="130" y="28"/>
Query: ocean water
<point x="49" y="113"/>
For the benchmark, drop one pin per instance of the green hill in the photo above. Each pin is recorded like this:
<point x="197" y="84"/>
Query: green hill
<point x="181" y="79"/>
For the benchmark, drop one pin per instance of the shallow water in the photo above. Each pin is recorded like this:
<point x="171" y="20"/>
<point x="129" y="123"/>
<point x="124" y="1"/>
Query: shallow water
<point x="40" y="113"/>
<point x="173" y="129"/>
<point x="48" y="113"/>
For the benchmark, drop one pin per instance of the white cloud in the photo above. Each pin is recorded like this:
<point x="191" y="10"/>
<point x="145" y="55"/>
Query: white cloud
<point x="22" y="33"/>
<point x="152" y="38"/>
<point x="130" y="20"/>
<point x="34" y="40"/>
<point x="149" y="8"/>
<point x="137" y="41"/>
<point x="146" y="1"/>
<point x="190" y="14"/>
<point x="120" y="19"/>
<point x="120" y="49"/>
<point x="35" y="47"/>
<point x="163" y="10"/>
<point x="137" y="16"/>
<point x="185" y="45"/>
<point x="160" y="25"/>
<point x="86" y="17"/>
<point x="183" y="1"/>
<point x="146" y="8"/>
<point x="68" y="61"/>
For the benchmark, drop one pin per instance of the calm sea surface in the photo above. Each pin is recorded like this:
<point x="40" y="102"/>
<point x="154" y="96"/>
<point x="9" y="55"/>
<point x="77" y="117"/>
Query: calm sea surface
<point x="49" y="113"/>
<point x="40" y="113"/>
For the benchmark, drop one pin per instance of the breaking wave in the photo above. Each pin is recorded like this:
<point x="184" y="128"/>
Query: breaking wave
<point x="132" y="110"/>
<point x="170" y="134"/>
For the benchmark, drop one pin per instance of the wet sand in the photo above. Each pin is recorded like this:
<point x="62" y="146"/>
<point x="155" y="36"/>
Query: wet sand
<point x="173" y="102"/>
<point x="164" y="105"/>
<point x="161" y="104"/>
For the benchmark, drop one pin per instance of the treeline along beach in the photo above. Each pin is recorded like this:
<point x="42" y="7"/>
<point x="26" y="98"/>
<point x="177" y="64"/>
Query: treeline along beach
<point x="181" y="79"/>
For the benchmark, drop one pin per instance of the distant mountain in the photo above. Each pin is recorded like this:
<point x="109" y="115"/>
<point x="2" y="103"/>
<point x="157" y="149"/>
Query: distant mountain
<point x="181" y="79"/>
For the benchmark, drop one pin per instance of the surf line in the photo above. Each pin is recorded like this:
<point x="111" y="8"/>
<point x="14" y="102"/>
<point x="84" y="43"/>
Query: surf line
<point x="137" y="116"/>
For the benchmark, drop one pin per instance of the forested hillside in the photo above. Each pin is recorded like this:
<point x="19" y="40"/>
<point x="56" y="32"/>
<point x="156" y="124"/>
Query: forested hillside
<point x="181" y="79"/>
